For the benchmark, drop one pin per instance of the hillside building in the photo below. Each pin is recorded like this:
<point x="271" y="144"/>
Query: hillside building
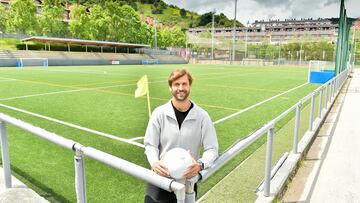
<point x="278" y="31"/>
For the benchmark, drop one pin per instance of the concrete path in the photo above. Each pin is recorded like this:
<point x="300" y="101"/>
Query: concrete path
<point x="331" y="169"/>
<point x="18" y="193"/>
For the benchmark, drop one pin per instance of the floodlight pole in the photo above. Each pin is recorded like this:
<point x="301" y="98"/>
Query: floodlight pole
<point x="279" y="52"/>
<point x="234" y="33"/>
<point x="300" y="51"/>
<point x="246" y="37"/>
<point x="155" y="40"/>
<point x="212" y="36"/>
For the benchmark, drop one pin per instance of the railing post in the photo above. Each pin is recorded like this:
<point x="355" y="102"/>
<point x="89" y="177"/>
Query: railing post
<point x="320" y="102"/>
<point x="189" y="191"/>
<point x="297" y="128"/>
<point x="331" y="91"/>
<point x="311" y="119"/>
<point x="326" y="96"/>
<point x="334" y="88"/>
<point x="80" y="181"/>
<point x="5" y="155"/>
<point x="268" y="161"/>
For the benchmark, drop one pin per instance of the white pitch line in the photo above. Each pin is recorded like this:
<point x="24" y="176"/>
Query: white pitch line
<point x="137" y="138"/>
<point x="255" y="105"/>
<point x="69" y="91"/>
<point x="75" y="126"/>
<point x="2" y="79"/>
<point x="244" y="110"/>
<point x="6" y="80"/>
<point x="78" y="71"/>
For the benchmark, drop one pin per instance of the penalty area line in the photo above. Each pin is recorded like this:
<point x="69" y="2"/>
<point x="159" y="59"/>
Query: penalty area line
<point x="246" y="109"/>
<point x="257" y="104"/>
<point x="75" y="126"/>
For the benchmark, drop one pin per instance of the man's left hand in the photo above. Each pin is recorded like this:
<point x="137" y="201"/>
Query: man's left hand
<point x="192" y="170"/>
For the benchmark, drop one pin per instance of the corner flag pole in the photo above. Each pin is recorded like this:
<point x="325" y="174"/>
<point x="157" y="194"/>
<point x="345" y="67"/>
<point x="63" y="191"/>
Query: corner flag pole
<point x="148" y="102"/>
<point x="143" y="89"/>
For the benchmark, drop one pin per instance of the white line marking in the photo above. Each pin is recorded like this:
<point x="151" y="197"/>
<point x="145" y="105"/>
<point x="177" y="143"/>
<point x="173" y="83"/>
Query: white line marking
<point x="75" y="126"/>
<point x="137" y="138"/>
<point x="2" y="79"/>
<point x="255" y="105"/>
<point x="80" y="71"/>
<point x="227" y="176"/>
<point x="69" y="91"/>
<point x="246" y="109"/>
<point x="6" y="80"/>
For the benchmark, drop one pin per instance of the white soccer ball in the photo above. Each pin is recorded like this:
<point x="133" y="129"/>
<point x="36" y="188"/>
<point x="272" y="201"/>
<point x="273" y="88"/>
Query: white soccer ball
<point x="177" y="161"/>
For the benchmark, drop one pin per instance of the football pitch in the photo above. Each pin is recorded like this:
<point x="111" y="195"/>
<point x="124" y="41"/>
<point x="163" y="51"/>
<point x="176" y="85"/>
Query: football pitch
<point x="95" y="106"/>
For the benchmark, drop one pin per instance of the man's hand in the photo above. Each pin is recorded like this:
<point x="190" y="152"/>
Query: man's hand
<point x="160" y="169"/>
<point x="192" y="170"/>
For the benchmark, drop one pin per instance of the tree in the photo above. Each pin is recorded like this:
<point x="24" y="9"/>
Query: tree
<point x="124" y="23"/>
<point x="3" y="18"/>
<point x="183" y="12"/>
<point x="23" y="18"/>
<point x="99" y="23"/>
<point x="79" y="23"/>
<point x="178" y="37"/>
<point x="164" y="38"/>
<point x="51" y="21"/>
<point x="132" y="24"/>
<point x="116" y="23"/>
<point x="146" y="34"/>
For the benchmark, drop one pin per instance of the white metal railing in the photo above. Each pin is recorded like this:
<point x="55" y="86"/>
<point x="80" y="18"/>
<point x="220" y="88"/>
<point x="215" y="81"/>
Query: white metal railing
<point x="330" y="89"/>
<point x="184" y="193"/>
<point x="80" y="152"/>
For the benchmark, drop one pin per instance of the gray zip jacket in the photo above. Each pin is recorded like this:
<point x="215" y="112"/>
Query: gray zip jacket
<point x="163" y="134"/>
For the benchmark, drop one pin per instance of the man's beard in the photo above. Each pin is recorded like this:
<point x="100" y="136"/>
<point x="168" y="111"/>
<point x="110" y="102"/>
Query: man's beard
<point x="180" y="95"/>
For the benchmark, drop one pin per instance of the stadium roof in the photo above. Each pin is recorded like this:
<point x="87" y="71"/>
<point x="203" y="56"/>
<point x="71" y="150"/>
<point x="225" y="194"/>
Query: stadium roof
<point x="83" y="42"/>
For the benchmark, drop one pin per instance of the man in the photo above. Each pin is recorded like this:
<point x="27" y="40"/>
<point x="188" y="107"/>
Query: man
<point x="179" y="123"/>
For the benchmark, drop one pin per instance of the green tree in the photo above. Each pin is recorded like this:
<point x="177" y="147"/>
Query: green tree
<point x="51" y="21"/>
<point x="3" y="18"/>
<point x="178" y="37"/>
<point x="23" y="17"/>
<point x="183" y="12"/>
<point x="79" y="23"/>
<point x="124" y="23"/>
<point x="116" y="23"/>
<point x="132" y="24"/>
<point x="164" y="38"/>
<point x="99" y="23"/>
<point x="146" y="34"/>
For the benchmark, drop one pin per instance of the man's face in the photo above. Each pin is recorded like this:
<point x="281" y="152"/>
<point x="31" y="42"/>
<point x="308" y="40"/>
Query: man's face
<point x="180" y="88"/>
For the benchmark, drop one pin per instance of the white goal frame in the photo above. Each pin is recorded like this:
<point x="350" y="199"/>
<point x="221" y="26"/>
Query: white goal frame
<point x="317" y="66"/>
<point x="21" y="62"/>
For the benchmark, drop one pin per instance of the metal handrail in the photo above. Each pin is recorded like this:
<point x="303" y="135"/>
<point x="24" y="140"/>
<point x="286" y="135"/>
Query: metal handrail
<point x="242" y="144"/>
<point x="80" y="152"/>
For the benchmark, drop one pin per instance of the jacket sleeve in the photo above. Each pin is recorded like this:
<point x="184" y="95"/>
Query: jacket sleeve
<point x="152" y="139"/>
<point x="209" y="142"/>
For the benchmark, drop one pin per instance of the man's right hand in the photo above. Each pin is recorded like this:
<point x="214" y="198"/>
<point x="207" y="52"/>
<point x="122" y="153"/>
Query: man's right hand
<point x="160" y="169"/>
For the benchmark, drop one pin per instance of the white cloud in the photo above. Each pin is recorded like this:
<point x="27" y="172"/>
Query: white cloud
<point x="251" y="10"/>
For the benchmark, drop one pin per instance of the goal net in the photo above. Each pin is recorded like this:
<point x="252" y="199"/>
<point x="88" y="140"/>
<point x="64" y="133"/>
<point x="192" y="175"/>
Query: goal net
<point x="317" y="68"/>
<point x="21" y="62"/>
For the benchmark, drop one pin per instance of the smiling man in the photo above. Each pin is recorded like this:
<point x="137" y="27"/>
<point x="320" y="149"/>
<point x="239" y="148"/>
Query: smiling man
<point x="179" y="123"/>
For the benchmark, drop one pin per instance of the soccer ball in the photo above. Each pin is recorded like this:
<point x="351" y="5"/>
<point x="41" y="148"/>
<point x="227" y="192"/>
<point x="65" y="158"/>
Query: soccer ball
<point x="177" y="161"/>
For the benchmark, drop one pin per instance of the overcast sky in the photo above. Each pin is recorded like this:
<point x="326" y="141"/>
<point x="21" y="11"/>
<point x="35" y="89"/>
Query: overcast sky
<point x="251" y="10"/>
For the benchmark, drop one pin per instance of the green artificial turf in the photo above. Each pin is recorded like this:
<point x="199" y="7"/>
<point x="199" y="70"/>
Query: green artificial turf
<point x="104" y="101"/>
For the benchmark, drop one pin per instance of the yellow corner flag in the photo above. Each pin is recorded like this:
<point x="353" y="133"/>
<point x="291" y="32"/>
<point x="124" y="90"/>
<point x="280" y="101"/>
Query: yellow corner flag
<point x="143" y="89"/>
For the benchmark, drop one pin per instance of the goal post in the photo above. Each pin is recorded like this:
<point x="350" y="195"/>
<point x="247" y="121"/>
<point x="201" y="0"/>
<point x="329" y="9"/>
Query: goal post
<point x="320" y="71"/>
<point x="21" y="62"/>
